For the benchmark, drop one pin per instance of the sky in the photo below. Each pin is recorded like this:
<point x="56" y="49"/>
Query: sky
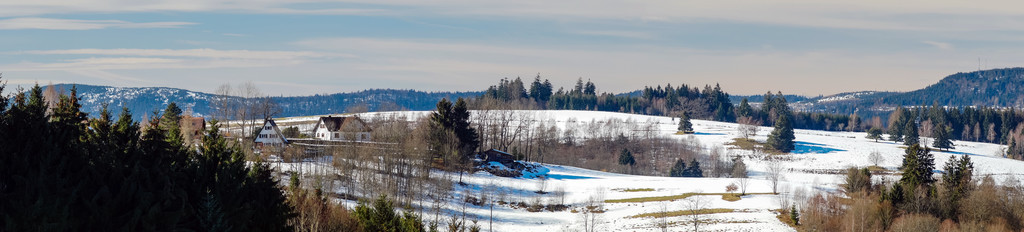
<point x="305" y="47"/>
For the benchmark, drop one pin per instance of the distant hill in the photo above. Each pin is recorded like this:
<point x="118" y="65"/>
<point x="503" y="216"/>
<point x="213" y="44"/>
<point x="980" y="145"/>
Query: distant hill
<point x="142" y="100"/>
<point x="991" y="88"/>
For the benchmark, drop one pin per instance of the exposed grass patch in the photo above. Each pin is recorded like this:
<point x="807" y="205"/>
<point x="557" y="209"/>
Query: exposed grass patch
<point x="631" y="190"/>
<point x="731" y="197"/>
<point x="685" y="132"/>
<point x="673" y="197"/>
<point x="750" y="145"/>
<point x="783" y="216"/>
<point x="681" y="213"/>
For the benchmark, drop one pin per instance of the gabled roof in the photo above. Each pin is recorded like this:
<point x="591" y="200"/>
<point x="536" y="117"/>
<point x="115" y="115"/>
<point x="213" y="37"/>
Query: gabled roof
<point x="276" y="129"/>
<point x="333" y="124"/>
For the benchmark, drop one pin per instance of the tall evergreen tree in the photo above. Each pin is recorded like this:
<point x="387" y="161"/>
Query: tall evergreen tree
<point x="957" y="183"/>
<point x="694" y="170"/>
<point x="941" y="134"/>
<point x="744" y="110"/>
<point x="684" y="124"/>
<point x="678" y="169"/>
<point x="918" y="166"/>
<point x="781" y="138"/>
<point x="910" y="132"/>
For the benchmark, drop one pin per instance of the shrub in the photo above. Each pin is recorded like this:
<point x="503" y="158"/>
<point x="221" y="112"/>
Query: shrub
<point x="915" y="223"/>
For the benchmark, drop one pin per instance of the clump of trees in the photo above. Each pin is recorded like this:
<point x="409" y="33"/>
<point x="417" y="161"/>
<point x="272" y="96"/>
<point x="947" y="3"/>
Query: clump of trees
<point x="955" y="201"/>
<point x="66" y="171"/>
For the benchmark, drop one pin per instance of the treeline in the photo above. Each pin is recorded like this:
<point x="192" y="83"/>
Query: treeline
<point x="707" y="103"/>
<point x="710" y="103"/>
<point x="979" y="124"/>
<point x="773" y="104"/>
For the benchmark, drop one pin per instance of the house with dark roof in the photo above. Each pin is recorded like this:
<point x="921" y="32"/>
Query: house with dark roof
<point x="270" y="136"/>
<point x="342" y="128"/>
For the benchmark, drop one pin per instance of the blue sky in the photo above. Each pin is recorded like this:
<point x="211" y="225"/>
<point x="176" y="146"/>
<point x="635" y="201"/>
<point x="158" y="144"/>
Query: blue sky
<point x="306" y="47"/>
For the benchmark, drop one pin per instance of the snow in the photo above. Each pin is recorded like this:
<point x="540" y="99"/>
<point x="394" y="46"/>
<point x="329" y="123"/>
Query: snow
<point x="812" y="167"/>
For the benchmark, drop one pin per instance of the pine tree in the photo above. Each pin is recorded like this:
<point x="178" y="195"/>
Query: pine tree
<point x="781" y="138"/>
<point x="918" y="164"/>
<point x="684" y="124"/>
<point x="678" y="169"/>
<point x="693" y="170"/>
<point x="941" y="133"/>
<point x="910" y="130"/>
<point x="874" y="133"/>
<point x="626" y="158"/>
<point x="744" y="110"/>
<point x="957" y="182"/>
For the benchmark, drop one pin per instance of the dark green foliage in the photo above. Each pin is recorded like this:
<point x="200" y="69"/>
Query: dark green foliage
<point x="910" y="134"/>
<point x="452" y="138"/>
<point x="381" y="217"/>
<point x="875" y="133"/>
<point x="744" y="110"/>
<point x="957" y="182"/>
<point x="794" y="215"/>
<point x="941" y="134"/>
<point x="678" y="169"/>
<point x="781" y="138"/>
<point x="898" y="125"/>
<point x="626" y="158"/>
<point x="918" y="166"/>
<point x="541" y="92"/>
<point x="684" y="124"/>
<point x="693" y="170"/>
<point x="65" y="172"/>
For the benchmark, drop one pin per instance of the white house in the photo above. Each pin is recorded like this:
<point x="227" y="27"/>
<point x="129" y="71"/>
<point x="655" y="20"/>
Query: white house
<point x="270" y="136"/>
<point x="342" y="128"/>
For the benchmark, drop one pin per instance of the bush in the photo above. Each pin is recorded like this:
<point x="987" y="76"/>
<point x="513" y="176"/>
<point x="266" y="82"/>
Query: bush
<point x="857" y="180"/>
<point x="915" y="223"/>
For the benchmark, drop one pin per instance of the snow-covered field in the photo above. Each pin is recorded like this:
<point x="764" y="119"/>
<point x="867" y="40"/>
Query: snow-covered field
<point x="816" y="152"/>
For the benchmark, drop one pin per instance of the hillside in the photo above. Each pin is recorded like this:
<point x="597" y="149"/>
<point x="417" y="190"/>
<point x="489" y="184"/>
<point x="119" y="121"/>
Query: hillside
<point x="991" y="88"/>
<point x="816" y="166"/>
<point x="142" y="100"/>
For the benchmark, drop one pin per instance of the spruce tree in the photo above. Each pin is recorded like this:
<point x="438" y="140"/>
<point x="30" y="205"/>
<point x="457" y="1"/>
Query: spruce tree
<point x="781" y="138"/>
<point x="678" y="169"/>
<point x="626" y="159"/>
<point x="744" y="110"/>
<point x="693" y="170"/>
<point x="684" y="124"/>
<point x="874" y="133"/>
<point x="941" y="134"/>
<point x="918" y="165"/>
<point x="910" y="130"/>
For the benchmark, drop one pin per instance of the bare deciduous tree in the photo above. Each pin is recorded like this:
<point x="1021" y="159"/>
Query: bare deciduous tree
<point x="774" y="175"/>
<point x="876" y="158"/>
<point x="748" y="126"/>
<point x="695" y="206"/>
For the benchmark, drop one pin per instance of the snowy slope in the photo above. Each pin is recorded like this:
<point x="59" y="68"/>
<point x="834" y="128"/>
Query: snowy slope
<point x="816" y="152"/>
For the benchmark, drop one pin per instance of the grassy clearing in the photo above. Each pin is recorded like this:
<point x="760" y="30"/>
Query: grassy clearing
<point x="731" y="197"/>
<point x="633" y="190"/>
<point x="751" y="145"/>
<point x="675" y="197"/>
<point x="681" y="213"/>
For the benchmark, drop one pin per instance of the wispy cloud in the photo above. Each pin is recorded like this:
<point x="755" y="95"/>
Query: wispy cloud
<point x="939" y="45"/>
<point x="80" y="24"/>
<point x="198" y="53"/>
<point x="615" y="33"/>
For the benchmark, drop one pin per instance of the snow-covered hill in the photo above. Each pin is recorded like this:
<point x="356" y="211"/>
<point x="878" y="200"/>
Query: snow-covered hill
<point x="813" y="167"/>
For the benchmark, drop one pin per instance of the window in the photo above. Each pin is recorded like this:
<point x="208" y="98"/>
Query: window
<point x="336" y="135"/>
